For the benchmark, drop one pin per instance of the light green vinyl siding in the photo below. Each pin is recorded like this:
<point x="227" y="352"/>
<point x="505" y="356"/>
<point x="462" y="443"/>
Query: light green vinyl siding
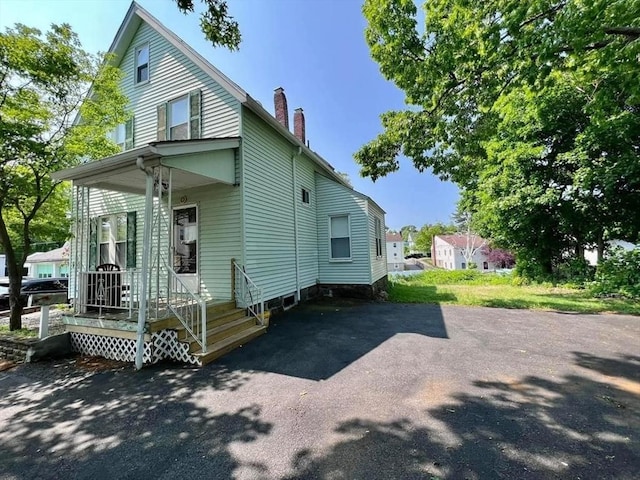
<point x="171" y="75"/>
<point x="219" y="236"/>
<point x="307" y="223"/>
<point x="378" y="265"/>
<point x="336" y="199"/>
<point x="268" y="208"/>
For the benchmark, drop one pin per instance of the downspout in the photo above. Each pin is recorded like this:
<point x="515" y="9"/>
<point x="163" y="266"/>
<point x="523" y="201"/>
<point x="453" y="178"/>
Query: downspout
<point x="144" y="273"/>
<point x="295" y="220"/>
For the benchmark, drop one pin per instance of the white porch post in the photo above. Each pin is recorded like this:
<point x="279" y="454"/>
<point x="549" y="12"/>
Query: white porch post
<point x="146" y="253"/>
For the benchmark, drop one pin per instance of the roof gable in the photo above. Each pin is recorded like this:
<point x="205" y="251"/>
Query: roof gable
<point x="460" y="240"/>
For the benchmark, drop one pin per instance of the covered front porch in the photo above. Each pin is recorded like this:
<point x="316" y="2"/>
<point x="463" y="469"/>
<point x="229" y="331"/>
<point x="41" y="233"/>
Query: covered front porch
<point x="156" y="249"/>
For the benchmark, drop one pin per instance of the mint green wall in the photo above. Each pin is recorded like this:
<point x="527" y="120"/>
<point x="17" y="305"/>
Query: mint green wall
<point x="172" y="75"/>
<point x="336" y="199"/>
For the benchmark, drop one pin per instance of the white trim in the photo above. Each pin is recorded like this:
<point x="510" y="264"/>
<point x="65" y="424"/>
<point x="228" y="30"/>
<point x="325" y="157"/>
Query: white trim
<point x="341" y="259"/>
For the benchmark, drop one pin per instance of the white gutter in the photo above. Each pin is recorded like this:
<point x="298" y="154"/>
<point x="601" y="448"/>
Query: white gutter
<point x="144" y="273"/>
<point x="295" y="220"/>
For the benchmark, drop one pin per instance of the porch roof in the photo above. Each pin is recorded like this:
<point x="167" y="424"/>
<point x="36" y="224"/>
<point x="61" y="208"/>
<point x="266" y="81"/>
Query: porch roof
<point x="121" y="172"/>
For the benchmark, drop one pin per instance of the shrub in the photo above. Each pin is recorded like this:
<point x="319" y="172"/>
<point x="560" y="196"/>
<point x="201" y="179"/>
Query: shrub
<point x="619" y="274"/>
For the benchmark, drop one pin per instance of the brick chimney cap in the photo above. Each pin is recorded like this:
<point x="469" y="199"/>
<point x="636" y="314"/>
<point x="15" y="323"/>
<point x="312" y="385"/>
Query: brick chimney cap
<point x="279" y="89"/>
<point x="299" y="109"/>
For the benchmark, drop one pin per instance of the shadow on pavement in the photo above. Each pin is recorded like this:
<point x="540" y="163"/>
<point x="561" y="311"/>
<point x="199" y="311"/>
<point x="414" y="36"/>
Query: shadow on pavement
<point x="528" y="428"/>
<point x="317" y="340"/>
<point x="123" y="424"/>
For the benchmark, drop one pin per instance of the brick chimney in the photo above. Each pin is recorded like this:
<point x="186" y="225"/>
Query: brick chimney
<point x="280" y="104"/>
<point x="298" y="125"/>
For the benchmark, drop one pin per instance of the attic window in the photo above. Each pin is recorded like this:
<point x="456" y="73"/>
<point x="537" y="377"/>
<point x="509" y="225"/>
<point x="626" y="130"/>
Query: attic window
<point x="305" y="196"/>
<point x="142" y="64"/>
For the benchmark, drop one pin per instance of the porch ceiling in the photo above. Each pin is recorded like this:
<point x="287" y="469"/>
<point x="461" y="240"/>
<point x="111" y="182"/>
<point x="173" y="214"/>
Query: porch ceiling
<point x="194" y="163"/>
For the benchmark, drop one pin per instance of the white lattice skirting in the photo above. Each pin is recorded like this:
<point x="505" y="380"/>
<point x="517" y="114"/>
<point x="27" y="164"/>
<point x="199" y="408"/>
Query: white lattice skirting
<point x="163" y="344"/>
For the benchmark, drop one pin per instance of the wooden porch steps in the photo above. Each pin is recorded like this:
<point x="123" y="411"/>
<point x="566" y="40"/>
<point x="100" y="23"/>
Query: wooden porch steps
<point x="229" y="343"/>
<point x="228" y="327"/>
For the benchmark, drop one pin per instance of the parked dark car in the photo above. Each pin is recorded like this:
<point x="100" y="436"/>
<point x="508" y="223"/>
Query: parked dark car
<point x="4" y="293"/>
<point x="46" y="290"/>
<point x="414" y="255"/>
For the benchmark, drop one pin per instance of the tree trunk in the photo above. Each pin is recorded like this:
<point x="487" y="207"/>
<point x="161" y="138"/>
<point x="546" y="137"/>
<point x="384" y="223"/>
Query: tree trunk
<point x="15" y="277"/>
<point x="600" y="246"/>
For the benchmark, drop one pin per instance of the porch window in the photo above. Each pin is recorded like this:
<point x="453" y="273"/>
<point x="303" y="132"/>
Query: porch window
<point x="378" y="224"/>
<point x="113" y="240"/>
<point x="142" y="64"/>
<point x="339" y="233"/>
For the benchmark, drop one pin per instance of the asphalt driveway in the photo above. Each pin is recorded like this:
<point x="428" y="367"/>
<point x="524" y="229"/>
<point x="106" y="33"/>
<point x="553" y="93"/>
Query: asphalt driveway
<point x="360" y="391"/>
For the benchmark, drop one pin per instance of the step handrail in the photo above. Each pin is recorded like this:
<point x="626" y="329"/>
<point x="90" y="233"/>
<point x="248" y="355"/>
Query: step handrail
<point x="251" y="305"/>
<point x="192" y="313"/>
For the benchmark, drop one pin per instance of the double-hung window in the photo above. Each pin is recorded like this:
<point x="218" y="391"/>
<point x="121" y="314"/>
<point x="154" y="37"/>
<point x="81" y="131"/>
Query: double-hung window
<point x="178" y="121"/>
<point x="378" y="224"/>
<point x="113" y="240"/>
<point x="339" y="233"/>
<point x="122" y="135"/>
<point x="142" y="63"/>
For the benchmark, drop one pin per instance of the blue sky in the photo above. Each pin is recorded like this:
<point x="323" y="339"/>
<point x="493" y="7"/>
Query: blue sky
<point x="314" y="49"/>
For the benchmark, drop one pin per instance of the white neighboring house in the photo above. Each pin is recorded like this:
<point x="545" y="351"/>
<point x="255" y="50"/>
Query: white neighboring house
<point x="3" y="266"/>
<point x="395" y="252"/>
<point x="51" y="264"/>
<point x="591" y="256"/>
<point x="447" y="251"/>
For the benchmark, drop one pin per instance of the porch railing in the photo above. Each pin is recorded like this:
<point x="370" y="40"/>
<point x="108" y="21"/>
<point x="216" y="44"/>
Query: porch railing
<point x="188" y="307"/>
<point x="109" y="292"/>
<point x="247" y="294"/>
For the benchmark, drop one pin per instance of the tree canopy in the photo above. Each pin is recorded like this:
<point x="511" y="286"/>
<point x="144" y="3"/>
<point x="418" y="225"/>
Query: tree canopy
<point x="46" y="82"/>
<point x="530" y="107"/>
<point x="217" y="25"/>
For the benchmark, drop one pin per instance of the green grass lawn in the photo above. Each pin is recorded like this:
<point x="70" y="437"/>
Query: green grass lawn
<point x="490" y="290"/>
<point x="21" y="334"/>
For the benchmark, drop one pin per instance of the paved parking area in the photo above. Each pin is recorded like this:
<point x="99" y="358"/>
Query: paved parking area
<point x="350" y="391"/>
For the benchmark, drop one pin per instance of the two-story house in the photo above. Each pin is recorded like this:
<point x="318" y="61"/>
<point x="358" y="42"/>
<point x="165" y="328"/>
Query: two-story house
<point x="213" y="215"/>
<point x="395" y="252"/>
<point x="450" y="252"/>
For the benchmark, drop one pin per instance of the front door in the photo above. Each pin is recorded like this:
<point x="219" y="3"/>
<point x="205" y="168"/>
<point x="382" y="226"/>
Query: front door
<point x="185" y="245"/>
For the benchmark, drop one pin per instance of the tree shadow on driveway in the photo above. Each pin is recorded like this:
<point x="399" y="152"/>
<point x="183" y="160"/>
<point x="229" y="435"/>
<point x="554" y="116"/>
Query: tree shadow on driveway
<point x="317" y="340"/>
<point x="148" y="424"/>
<point x="527" y="428"/>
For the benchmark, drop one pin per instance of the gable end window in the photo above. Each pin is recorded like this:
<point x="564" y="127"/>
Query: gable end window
<point x="378" y="227"/>
<point x="306" y="198"/>
<point x="179" y="119"/>
<point x="340" y="237"/>
<point x="142" y="63"/>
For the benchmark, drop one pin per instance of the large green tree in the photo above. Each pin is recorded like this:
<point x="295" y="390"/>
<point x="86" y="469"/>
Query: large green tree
<point x="474" y="61"/>
<point x="46" y="82"/>
<point x="425" y="235"/>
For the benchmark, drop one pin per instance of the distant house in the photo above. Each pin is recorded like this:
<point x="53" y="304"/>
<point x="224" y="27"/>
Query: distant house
<point x="51" y="264"/>
<point x="3" y="266"/>
<point x="395" y="252"/>
<point x="447" y="251"/>
<point x="591" y="256"/>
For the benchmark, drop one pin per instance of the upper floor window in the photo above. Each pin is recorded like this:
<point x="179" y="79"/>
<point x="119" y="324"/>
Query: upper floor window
<point x="179" y="119"/>
<point x="142" y="63"/>
<point x="339" y="233"/>
<point x="122" y="135"/>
